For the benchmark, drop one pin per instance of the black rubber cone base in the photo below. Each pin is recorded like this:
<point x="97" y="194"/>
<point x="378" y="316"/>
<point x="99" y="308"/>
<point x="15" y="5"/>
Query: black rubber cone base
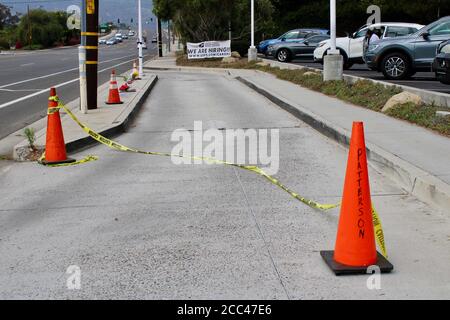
<point x="341" y="269"/>
<point x="108" y="103"/>
<point x="68" y="160"/>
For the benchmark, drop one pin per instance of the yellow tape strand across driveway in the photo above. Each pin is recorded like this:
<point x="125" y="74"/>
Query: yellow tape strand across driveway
<point x="379" y="235"/>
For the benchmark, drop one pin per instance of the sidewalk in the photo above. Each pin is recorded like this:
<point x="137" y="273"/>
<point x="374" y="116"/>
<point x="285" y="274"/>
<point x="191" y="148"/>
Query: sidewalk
<point x="416" y="158"/>
<point x="107" y="120"/>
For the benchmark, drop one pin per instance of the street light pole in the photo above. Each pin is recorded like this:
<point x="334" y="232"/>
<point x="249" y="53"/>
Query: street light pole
<point x="333" y="62"/>
<point x="141" y="55"/>
<point x="252" y="54"/>
<point x="333" y="27"/>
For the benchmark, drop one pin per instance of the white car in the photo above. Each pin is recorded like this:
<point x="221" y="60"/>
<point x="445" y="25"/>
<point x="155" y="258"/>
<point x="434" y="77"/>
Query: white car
<point x="352" y="47"/>
<point x="144" y="45"/>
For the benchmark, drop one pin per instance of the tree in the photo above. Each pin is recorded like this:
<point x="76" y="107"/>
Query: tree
<point x="7" y="19"/>
<point x="47" y="27"/>
<point x="203" y="20"/>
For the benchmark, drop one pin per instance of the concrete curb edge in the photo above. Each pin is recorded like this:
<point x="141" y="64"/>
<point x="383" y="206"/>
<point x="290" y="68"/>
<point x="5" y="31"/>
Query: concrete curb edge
<point x="119" y="128"/>
<point x="415" y="181"/>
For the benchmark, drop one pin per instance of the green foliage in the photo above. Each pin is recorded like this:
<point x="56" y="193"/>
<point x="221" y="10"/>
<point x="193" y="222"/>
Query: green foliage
<point x="31" y="137"/>
<point x="203" y="20"/>
<point x="424" y="115"/>
<point x="7" y="19"/>
<point x="47" y="28"/>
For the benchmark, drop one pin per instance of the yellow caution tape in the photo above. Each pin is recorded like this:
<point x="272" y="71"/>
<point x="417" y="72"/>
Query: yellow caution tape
<point x="84" y="160"/>
<point x="378" y="230"/>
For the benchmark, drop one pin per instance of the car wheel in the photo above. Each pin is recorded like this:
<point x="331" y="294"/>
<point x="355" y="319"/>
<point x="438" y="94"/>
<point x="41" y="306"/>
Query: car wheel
<point x="442" y="79"/>
<point x="283" y="55"/>
<point x="396" y="66"/>
<point x="347" y="65"/>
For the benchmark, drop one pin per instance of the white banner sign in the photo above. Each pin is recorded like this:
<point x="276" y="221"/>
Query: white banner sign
<point x="209" y="49"/>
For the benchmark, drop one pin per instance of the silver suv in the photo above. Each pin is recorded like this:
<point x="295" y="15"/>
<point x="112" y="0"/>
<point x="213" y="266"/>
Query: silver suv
<point x="402" y="57"/>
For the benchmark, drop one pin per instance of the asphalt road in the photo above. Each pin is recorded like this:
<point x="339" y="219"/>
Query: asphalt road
<point x="141" y="227"/>
<point x="27" y="76"/>
<point x="421" y="80"/>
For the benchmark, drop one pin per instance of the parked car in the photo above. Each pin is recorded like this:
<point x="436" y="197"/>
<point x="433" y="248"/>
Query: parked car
<point x="286" y="51"/>
<point x="124" y="36"/>
<point x="154" y="39"/>
<point x="441" y="64"/>
<point x="352" y="47"/>
<point x="111" y="41"/>
<point x="144" y="45"/>
<point x="102" y="41"/>
<point x="290" y="36"/>
<point x="131" y="33"/>
<point x="402" y="57"/>
<point x="119" y="38"/>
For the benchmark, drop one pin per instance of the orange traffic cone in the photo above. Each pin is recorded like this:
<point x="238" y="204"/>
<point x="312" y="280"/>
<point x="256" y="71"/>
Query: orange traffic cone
<point x="355" y="248"/>
<point x="114" y="97"/>
<point x="55" y="148"/>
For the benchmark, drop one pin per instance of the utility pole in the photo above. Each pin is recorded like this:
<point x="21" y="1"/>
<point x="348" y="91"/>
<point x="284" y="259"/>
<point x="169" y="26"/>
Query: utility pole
<point x="141" y="55"/>
<point x="91" y="47"/>
<point x="252" y="54"/>
<point x="168" y="33"/>
<point x="30" y="35"/>
<point x="160" y="51"/>
<point x="82" y="60"/>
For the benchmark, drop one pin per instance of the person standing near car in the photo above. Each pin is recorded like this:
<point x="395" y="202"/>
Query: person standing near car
<point x="371" y="36"/>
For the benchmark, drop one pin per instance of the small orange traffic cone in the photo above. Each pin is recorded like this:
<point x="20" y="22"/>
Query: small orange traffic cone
<point x="55" y="148"/>
<point x="355" y="248"/>
<point x="135" y="73"/>
<point x="126" y="88"/>
<point x="114" y="97"/>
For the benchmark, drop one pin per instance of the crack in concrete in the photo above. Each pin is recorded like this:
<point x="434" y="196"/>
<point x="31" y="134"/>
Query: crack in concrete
<point x="258" y="227"/>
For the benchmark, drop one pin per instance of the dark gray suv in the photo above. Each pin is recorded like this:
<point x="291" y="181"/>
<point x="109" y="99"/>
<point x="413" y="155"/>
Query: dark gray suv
<point x="402" y="57"/>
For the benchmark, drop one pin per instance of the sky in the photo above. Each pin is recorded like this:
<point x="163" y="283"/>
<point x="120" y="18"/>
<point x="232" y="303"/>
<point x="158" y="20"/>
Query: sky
<point x="110" y="10"/>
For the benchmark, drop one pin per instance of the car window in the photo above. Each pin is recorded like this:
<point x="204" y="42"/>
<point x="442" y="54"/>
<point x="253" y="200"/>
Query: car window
<point x="440" y="29"/>
<point x="361" y="33"/>
<point x="291" y="35"/>
<point x="310" y="35"/>
<point x="446" y="48"/>
<point x="395" y="31"/>
<point x="317" y="39"/>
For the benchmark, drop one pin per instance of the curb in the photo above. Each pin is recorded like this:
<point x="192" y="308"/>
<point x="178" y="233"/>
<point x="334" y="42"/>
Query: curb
<point x="82" y="143"/>
<point x="429" y="97"/>
<point x="122" y="124"/>
<point x="417" y="182"/>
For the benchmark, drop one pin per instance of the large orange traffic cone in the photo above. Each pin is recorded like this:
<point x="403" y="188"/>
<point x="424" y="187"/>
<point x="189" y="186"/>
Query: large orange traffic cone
<point x="55" y="148"/>
<point x="355" y="248"/>
<point x="114" y="97"/>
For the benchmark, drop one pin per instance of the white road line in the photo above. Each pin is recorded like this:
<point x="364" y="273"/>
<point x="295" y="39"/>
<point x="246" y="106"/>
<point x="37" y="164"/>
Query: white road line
<point x="58" y="86"/>
<point x="19" y="90"/>
<point x="27" y="64"/>
<point x="56" y="73"/>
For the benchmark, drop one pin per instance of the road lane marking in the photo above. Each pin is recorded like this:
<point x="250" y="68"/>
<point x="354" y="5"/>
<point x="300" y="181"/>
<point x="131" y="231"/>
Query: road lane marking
<point x="19" y="90"/>
<point x="59" y="85"/>
<point x="56" y="73"/>
<point x="27" y="64"/>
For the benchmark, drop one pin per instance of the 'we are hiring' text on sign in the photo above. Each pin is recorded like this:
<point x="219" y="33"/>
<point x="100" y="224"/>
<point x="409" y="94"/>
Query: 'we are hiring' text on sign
<point x="209" y="49"/>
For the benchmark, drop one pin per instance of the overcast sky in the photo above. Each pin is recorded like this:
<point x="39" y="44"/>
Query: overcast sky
<point x="110" y="10"/>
